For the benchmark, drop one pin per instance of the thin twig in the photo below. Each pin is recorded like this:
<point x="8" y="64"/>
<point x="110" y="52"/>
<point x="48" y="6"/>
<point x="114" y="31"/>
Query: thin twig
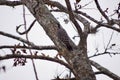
<point x="109" y="42"/>
<point x="101" y="11"/>
<point x="110" y="53"/>
<point x="26" y="31"/>
<point x="98" y="72"/>
<point x="87" y="4"/>
<point x="103" y="40"/>
<point x="16" y="37"/>
<point x="33" y="63"/>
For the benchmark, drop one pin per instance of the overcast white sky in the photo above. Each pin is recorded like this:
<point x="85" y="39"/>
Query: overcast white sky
<point x="12" y="17"/>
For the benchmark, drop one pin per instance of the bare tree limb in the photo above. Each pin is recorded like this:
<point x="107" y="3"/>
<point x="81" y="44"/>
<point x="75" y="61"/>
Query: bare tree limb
<point x="62" y="8"/>
<point x="100" y="24"/>
<point x="81" y="19"/>
<point x="109" y="26"/>
<point x="101" y="11"/>
<point x="84" y="21"/>
<point x="87" y="16"/>
<point x="10" y="3"/>
<point x="105" y="71"/>
<point x="51" y="47"/>
<point x="16" y="37"/>
<point x="33" y="46"/>
<point x="26" y="34"/>
<point x="98" y="72"/>
<point x="72" y="18"/>
<point x="115" y="21"/>
<point x="109" y="41"/>
<point x="106" y="25"/>
<point x="110" y="53"/>
<point x="99" y="67"/>
<point x="11" y="56"/>
<point x="26" y="31"/>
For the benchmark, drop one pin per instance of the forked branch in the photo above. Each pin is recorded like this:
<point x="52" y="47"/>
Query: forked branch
<point x="72" y="18"/>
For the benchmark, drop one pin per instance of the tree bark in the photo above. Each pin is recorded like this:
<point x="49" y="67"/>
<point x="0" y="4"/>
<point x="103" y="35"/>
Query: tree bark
<point x="81" y="62"/>
<point x="77" y="58"/>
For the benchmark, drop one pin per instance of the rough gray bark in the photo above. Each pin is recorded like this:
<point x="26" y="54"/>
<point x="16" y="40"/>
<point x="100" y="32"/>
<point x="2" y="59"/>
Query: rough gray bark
<point x="77" y="58"/>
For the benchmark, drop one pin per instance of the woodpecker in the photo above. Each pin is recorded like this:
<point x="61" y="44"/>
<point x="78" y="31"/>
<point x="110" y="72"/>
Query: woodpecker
<point x="63" y="36"/>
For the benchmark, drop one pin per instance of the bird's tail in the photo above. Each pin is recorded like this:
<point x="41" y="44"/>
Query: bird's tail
<point x="69" y="47"/>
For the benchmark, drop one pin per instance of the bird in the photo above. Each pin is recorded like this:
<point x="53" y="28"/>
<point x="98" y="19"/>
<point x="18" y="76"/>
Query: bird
<point x="63" y="36"/>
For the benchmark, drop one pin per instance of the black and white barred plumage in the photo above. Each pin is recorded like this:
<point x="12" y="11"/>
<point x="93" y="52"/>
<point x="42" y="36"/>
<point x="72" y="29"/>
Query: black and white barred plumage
<point x="63" y="36"/>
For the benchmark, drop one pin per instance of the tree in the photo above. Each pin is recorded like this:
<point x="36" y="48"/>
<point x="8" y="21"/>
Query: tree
<point x="77" y="59"/>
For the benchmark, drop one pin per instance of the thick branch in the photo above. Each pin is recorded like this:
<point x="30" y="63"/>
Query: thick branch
<point x="105" y="71"/>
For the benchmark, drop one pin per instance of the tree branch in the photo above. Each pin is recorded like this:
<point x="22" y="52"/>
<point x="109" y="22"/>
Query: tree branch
<point x="81" y="19"/>
<point x="26" y="31"/>
<point x="52" y="47"/>
<point x="11" y="56"/>
<point x="98" y="72"/>
<point x="110" y="53"/>
<point x="100" y="24"/>
<point x="72" y="18"/>
<point x="109" y="41"/>
<point x="87" y="16"/>
<point x="26" y="35"/>
<point x="109" y="26"/>
<point x="105" y="71"/>
<point x="10" y="3"/>
<point x="16" y="37"/>
<point x="84" y="21"/>
<point x="101" y="11"/>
